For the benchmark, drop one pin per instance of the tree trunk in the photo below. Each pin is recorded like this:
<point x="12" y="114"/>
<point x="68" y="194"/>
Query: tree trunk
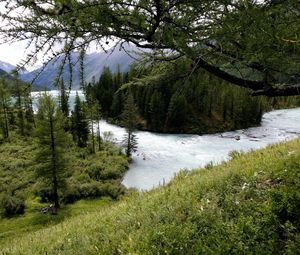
<point x="93" y="137"/>
<point x="128" y="151"/>
<point x="54" y="166"/>
<point x="99" y="136"/>
<point x="21" y="117"/>
<point x="6" y="122"/>
<point x="6" y="132"/>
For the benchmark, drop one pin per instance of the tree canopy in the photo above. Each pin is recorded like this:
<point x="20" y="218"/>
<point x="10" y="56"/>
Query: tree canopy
<point x="250" y="43"/>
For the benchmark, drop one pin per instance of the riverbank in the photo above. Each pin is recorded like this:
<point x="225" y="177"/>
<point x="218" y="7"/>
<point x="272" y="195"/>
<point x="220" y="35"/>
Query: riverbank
<point x="248" y="205"/>
<point x="160" y="156"/>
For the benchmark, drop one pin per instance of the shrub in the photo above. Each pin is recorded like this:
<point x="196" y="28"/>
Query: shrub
<point x="44" y="193"/>
<point x="114" y="189"/>
<point x="71" y="194"/>
<point x="12" y="205"/>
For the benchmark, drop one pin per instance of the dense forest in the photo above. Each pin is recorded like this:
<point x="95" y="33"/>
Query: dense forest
<point x="169" y="101"/>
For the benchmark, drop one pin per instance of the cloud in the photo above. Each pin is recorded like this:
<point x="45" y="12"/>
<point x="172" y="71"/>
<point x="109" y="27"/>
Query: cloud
<point x="13" y="53"/>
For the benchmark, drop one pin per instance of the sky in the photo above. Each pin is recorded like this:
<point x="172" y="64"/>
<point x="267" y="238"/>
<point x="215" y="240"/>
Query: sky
<point x="13" y="53"/>
<point x="16" y="52"/>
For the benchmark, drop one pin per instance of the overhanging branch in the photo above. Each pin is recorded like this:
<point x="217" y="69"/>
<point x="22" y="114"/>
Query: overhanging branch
<point x="258" y="87"/>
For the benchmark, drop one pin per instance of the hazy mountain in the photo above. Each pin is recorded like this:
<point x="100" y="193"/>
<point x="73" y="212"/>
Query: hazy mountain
<point x="6" y="66"/>
<point x="93" y="66"/>
<point x="2" y="72"/>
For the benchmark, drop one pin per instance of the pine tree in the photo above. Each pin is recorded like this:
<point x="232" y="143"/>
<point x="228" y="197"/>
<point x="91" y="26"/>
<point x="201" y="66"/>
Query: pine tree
<point x="94" y="115"/>
<point x="80" y="125"/>
<point x="105" y="90"/>
<point x="52" y="141"/>
<point x="4" y="108"/>
<point x="117" y="103"/>
<point x="177" y="111"/>
<point x="20" y="110"/>
<point x="28" y="111"/>
<point x="63" y="99"/>
<point x="130" y="120"/>
<point x="157" y="111"/>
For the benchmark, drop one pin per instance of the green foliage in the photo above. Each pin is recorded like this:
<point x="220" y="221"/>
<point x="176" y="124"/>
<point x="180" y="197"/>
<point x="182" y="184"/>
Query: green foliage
<point x="253" y="44"/>
<point x="103" y="171"/>
<point x="177" y="111"/>
<point x="5" y="107"/>
<point x="64" y="99"/>
<point x="249" y="205"/>
<point x="169" y="101"/>
<point x="33" y="220"/>
<point x="80" y="127"/>
<point x="104" y="89"/>
<point x="11" y="205"/>
<point x="53" y="141"/>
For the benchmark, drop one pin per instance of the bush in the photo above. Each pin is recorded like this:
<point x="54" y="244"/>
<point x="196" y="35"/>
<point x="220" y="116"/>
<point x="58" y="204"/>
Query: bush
<point x="12" y="205"/>
<point x="71" y="194"/>
<point x="44" y="193"/>
<point x="114" y="189"/>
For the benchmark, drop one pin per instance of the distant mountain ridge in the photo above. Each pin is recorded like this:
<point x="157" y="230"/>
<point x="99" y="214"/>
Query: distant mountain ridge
<point x="93" y="66"/>
<point x="4" y="66"/>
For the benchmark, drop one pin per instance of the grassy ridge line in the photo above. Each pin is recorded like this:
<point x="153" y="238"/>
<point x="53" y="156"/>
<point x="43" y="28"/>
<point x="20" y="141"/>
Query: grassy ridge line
<point x="249" y="205"/>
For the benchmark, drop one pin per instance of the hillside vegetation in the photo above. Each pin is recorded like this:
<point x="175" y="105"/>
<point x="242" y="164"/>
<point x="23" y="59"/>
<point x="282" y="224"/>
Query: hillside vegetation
<point x="249" y="205"/>
<point x="88" y="175"/>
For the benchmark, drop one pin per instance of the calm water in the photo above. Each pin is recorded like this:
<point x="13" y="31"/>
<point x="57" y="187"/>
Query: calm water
<point x="161" y="156"/>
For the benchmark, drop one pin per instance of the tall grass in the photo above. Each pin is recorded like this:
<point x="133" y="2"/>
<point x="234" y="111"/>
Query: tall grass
<point x="249" y="205"/>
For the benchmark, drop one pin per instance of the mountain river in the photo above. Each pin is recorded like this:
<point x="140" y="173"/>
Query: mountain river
<point x="160" y="156"/>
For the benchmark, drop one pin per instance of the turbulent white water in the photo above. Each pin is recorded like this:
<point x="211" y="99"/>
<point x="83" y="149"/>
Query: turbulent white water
<point x="161" y="156"/>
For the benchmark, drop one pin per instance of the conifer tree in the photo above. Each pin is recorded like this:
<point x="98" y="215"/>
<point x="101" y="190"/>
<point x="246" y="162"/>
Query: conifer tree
<point x="63" y="100"/>
<point x="94" y="116"/>
<point x="177" y="111"/>
<point x="20" y="109"/>
<point x="105" y="90"/>
<point x="80" y="125"/>
<point x="52" y="141"/>
<point x="98" y="118"/>
<point x="157" y="109"/>
<point x="130" y="120"/>
<point x="28" y="111"/>
<point x="4" y="108"/>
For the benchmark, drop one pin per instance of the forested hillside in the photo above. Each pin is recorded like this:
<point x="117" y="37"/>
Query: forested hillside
<point x="170" y="101"/>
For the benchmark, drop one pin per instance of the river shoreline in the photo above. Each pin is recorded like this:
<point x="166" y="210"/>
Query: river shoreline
<point x="160" y="156"/>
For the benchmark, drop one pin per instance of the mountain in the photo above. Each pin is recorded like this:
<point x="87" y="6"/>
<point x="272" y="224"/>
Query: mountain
<point x="2" y="72"/>
<point x="6" y="66"/>
<point x="93" y="66"/>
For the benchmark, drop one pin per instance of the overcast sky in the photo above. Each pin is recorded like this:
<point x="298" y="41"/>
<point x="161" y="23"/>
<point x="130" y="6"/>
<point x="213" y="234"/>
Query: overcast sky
<point x="13" y="53"/>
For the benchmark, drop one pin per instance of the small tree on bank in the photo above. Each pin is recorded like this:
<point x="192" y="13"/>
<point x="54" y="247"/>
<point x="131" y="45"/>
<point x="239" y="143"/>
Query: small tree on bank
<point x="52" y="141"/>
<point x="130" y="120"/>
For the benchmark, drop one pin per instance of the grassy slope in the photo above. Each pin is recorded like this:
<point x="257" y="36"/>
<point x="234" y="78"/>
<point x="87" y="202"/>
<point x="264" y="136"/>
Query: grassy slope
<point x="34" y="220"/>
<point x="250" y="205"/>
